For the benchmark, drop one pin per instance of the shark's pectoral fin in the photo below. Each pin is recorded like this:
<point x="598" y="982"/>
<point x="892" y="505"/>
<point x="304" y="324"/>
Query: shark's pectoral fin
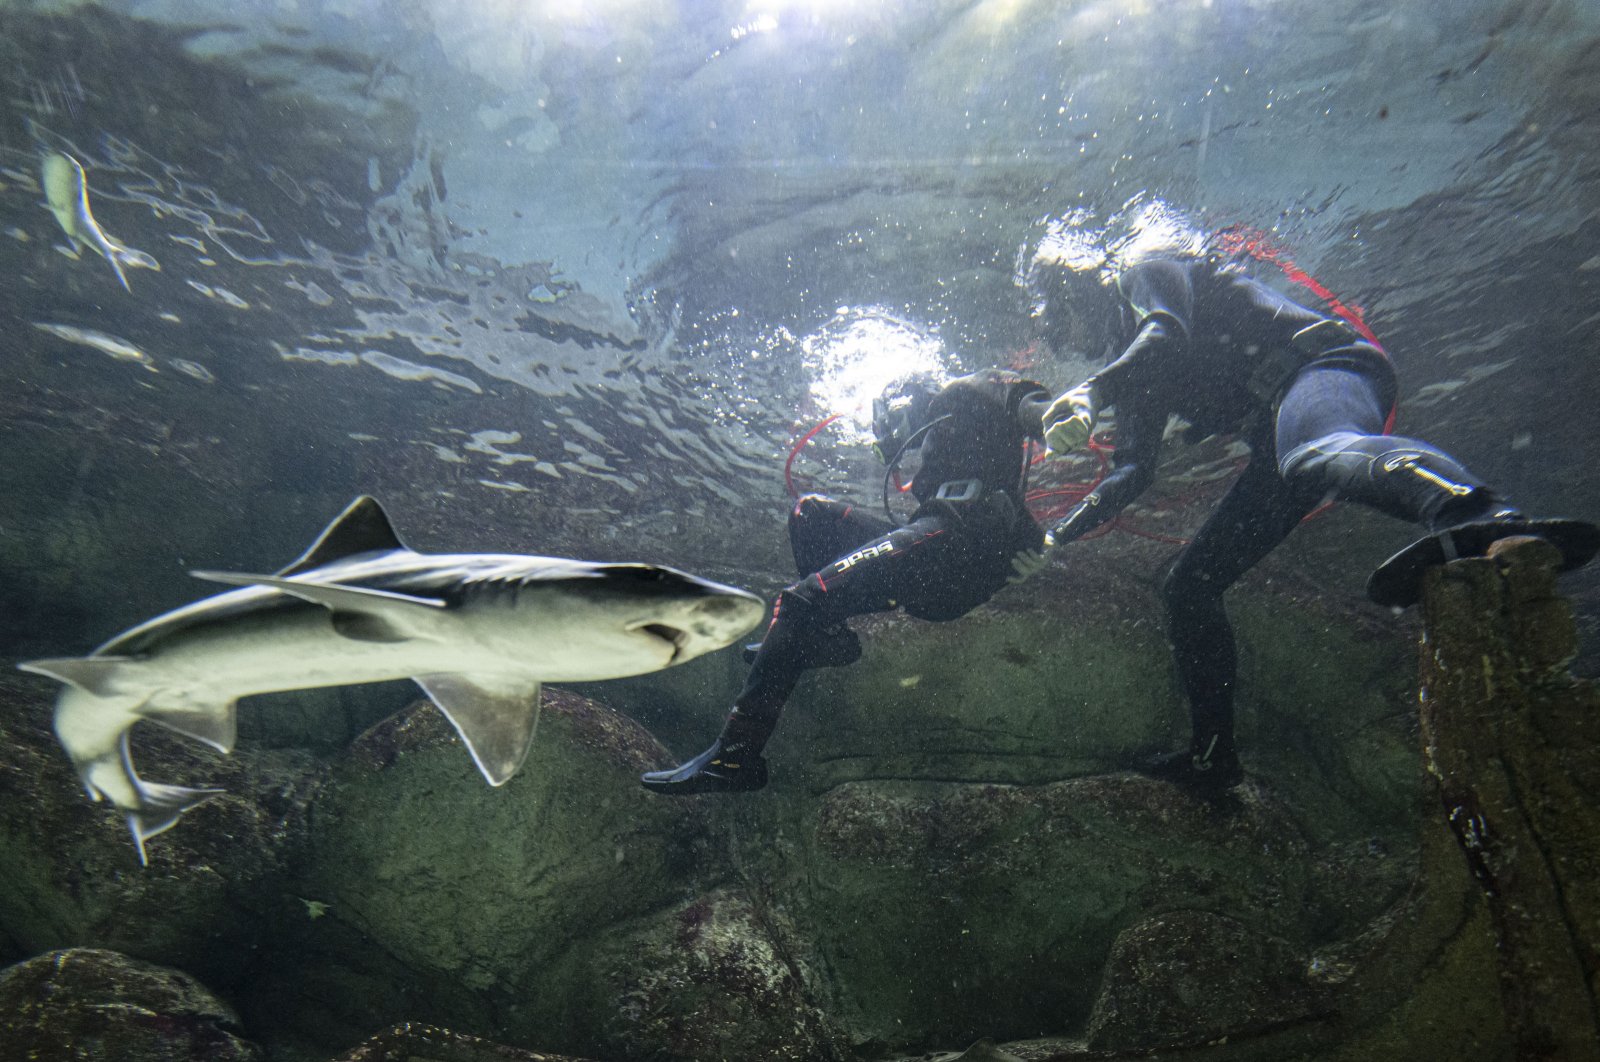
<point x="160" y="807"/>
<point x="92" y="674"/>
<point x="217" y="725"/>
<point x="360" y="613"/>
<point x="496" y="720"/>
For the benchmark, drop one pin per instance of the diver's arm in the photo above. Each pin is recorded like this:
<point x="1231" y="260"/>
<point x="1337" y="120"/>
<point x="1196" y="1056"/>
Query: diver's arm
<point x="1139" y="432"/>
<point x="1071" y="419"/>
<point x="1160" y="341"/>
<point x="1161" y="295"/>
<point x="1145" y="364"/>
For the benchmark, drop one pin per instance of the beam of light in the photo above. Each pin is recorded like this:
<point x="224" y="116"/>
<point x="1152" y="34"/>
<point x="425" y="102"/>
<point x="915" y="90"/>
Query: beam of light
<point x="757" y="9"/>
<point x="764" y="23"/>
<point x="860" y="351"/>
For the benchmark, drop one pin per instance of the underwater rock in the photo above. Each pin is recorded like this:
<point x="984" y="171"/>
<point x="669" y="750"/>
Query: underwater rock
<point x="961" y="911"/>
<point x="1004" y="696"/>
<point x="1513" y="740"/>
<point x="72" y="875"/>
<point x="722" y="976"/>
<point x="429" y="896"/>
<point x="1188" y="977"/>
<point x="414" y="1042"/>
<point x="85" y="1003"/>
<point x="951" y="824"/>
<point x="1012" y="694"/>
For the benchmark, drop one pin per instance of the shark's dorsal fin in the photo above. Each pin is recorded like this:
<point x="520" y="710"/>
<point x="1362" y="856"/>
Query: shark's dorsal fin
<point x="362" y="528"/>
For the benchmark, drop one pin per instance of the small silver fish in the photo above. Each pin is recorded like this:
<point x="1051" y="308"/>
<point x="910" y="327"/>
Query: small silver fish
<point x="104" y="342"/>
<point x="66" y="193"/>
<point x="194" y="369"/>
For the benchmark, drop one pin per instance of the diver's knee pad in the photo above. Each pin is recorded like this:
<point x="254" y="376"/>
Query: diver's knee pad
<point x="1336" y="457"/>
<point x="1405" y="478"/>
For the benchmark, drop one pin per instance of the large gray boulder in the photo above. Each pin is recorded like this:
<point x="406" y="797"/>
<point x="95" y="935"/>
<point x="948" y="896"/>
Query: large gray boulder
<point x="726" y="974"/>
<point x="1190" y="977"/>
<point x="964" y="911"/>
<point x="416" y="1042"/>
<point x="568" y="910"/>
<point x="71" y="873"/>
<point x="87" y="1003"/>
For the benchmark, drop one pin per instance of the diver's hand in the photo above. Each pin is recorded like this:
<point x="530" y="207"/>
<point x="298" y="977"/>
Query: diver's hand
<point x="1069" y="421"/>
<point x="1065" y="436"/>
<point x="1027" y="563"/>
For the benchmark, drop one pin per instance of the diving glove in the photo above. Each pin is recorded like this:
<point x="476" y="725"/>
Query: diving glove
<point x="1027" y="563"/>
<point x="1069" y="421"/>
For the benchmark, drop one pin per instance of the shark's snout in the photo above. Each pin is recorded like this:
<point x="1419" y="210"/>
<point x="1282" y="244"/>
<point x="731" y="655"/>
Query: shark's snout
<point x="701" y="624"/>
<point x="720" y="620"/>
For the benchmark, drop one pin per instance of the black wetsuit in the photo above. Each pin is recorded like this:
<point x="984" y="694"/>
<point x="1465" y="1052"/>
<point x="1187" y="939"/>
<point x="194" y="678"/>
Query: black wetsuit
<point x="949" y="559"/>
<point x="1310" y="397"/>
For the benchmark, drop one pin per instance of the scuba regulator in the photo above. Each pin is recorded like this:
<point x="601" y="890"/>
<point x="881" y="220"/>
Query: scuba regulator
<point x="899" y="421"/>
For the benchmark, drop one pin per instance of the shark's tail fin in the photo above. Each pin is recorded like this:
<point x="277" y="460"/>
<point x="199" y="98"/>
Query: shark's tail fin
<point x="116" y="266"/>
<point x="160" y="807"/>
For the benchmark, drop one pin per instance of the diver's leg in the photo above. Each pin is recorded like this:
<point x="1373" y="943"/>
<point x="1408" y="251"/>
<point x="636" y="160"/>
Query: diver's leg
<point x="734" y="762"/>
<point x="822" y="529"/>
<point x="1257" y="513"/>
<point x="868" y="579"/>
<point x="1330" y="439"/>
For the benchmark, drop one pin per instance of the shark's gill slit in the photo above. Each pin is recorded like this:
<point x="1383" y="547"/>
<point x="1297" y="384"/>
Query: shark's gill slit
<point x="679" y="638"/>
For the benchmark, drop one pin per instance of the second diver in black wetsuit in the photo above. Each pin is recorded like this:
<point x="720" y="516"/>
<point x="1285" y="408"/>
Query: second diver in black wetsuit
<point x="1312" y="399"/>
<point x="969" y="527"/>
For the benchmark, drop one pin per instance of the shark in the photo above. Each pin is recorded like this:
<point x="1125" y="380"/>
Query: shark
<point x="66" y="193"/>
<point x="479" y="632"/>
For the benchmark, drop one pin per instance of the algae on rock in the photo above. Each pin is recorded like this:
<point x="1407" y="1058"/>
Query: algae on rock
<point x="1514" y="741"/>
<point x="71" y="875"/>
<point x="88" y="1003"/>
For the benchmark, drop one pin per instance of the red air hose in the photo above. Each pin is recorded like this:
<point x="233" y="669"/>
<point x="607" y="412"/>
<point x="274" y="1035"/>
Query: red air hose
<point x="1241" y="239"/>
<point x="794" y="452"/>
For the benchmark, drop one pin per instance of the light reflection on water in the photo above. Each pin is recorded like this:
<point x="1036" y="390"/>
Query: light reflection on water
<point x="852" y="357"/>
<point x="650" y="219"/>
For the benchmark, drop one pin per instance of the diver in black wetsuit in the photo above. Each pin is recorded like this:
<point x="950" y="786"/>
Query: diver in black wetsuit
<point x="1312" y="399"/>
<point x="969" y="528"/>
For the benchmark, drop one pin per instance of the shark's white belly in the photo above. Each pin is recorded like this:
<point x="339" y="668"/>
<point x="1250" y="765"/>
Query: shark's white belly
<point x="304" y="650"/>
<point x="302" y="653"/>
